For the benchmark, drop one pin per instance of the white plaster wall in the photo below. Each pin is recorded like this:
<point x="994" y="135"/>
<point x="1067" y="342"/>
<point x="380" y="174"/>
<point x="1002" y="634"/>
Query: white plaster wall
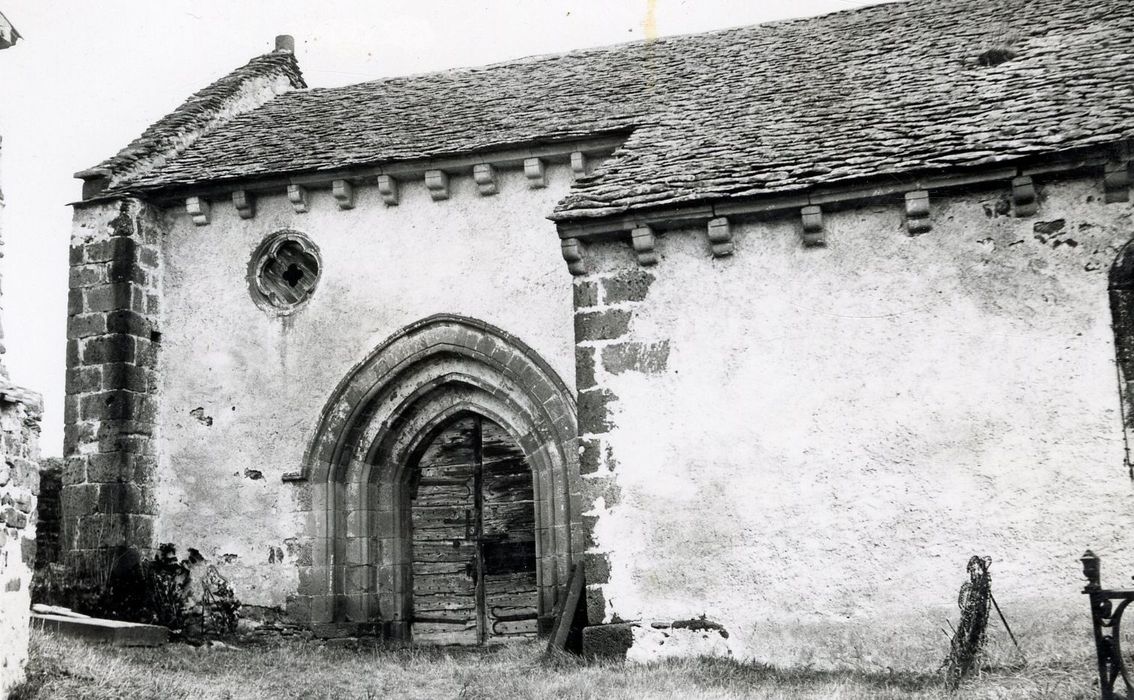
<point x="838" y="429"/>
<point x="263" y="379"/>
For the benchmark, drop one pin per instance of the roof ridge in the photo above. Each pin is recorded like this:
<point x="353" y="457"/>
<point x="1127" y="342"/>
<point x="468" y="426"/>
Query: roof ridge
<point x="620" y="46"/>
<point x="201" y="113"/>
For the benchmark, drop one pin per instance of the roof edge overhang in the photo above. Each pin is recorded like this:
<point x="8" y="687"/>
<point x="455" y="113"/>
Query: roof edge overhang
<point x="239" y="91"/>
<point x="599" y="223"/>
<point x="501" y="155"/>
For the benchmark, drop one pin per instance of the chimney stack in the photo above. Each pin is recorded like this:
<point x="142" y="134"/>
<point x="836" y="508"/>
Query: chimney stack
<point x="285" y="42"/>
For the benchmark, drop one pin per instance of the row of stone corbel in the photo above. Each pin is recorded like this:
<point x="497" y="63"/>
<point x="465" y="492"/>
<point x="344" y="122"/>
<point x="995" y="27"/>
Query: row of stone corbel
<point x="436" y="182"/>
<point x="1116" y="183"/>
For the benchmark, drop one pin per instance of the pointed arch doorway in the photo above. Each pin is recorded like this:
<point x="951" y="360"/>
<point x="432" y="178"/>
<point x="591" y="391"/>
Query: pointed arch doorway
<point x="375" y="446"/>
<point x="474" y="574"/>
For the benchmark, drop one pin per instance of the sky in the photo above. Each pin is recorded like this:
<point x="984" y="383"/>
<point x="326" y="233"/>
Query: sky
<point x="88" y="77"/>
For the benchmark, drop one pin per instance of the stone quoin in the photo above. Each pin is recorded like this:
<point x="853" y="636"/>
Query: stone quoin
<point x="764" y="338"/>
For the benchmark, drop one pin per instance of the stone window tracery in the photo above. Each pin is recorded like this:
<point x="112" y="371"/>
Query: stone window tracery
<point x="284" y="271"/>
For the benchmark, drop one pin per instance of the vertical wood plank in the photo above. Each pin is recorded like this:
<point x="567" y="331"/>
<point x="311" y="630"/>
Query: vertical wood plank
<point x="444" y="545"/>
<point x="473" y="538"/>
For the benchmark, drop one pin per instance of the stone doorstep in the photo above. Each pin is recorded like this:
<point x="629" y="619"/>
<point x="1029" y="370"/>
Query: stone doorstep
<point x="609" y="641"/>
<point x="93" y="629"/>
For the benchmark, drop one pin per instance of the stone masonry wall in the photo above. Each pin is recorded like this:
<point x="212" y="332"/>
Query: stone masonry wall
<point x="49" y="513"/>
<point x="20" y="414"/>
<point x="604" y="307"/>
<point x="111" y="407"/>
<point x="804" y="445"/>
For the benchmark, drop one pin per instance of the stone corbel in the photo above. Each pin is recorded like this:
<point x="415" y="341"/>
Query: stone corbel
<point x="343" y="193"/>
<point x="536" y="173"/>
<point x="917" y="212"/>
<point x="573" y="254"/>
<point x="644" y="242"/>
<point x="578" y="163"/>
<point x="720" y="237"/>
<point x="198" y="208"/>
<point x="813" y="234"/>
<point x="485" y="177"/>
<point x="245" y="204"/>
<point x="1116" y="181"/>
<point x="437" y="182"/>
<point x="388" y="188"/>
<point x="1024" y="196"/>
<point x="297" y="195"/>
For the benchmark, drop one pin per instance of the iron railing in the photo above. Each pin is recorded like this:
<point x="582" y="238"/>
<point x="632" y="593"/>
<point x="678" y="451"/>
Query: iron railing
<point x="1107" y="606"/>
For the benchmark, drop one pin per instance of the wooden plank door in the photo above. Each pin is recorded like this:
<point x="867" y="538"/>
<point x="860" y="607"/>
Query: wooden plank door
<point x="473" y="519"/>
<point x="444" y="544"/>
<point x="507" y="541"/>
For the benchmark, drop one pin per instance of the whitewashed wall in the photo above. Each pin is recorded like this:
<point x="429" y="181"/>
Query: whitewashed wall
<point x="836" y="430"/>
<point x="263" y="379"/>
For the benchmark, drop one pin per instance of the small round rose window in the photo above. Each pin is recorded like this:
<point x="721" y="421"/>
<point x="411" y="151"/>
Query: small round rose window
<point x="284" y="270"/>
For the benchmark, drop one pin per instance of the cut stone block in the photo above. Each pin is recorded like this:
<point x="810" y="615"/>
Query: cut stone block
<point x="93" y="629"/>
<point x="608" y="641"/>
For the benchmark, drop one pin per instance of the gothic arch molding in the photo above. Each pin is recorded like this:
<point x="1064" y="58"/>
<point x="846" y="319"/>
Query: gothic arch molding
<point x="380" y="416"/>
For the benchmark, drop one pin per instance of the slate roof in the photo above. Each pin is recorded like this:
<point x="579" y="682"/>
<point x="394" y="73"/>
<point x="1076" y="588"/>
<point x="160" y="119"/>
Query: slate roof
<point x="884" y="91"/>
<point x="167" y="134"/>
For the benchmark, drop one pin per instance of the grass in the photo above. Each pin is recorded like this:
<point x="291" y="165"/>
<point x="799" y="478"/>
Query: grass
<point x="63" y="668"/>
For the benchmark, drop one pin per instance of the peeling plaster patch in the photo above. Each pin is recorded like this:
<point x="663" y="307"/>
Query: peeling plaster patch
<point x="1001" y="206"/>
<point x="655" y="643"/>
<point x="1051" y="231"/>
<point x="293" y="547"/>
<point x="199" y="414"/>
<point x="701" y="624"/>
<point x="648" y="358"/>
<point x="1048" y="227"/>
<point x="611" y="463"/>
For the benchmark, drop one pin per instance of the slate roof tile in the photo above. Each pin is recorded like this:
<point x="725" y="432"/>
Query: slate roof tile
<point x="886" y="90"/>
<point x="168" y="135"/>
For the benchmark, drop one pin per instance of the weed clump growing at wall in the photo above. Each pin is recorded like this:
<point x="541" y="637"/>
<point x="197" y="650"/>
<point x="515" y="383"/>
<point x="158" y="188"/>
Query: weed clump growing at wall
<point x="184" y="594"/>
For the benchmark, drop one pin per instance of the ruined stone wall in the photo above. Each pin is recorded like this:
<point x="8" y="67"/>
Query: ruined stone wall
<point x="20" y="413"/>
<point x="241" y="387"/>
<point x="805" y="445"/>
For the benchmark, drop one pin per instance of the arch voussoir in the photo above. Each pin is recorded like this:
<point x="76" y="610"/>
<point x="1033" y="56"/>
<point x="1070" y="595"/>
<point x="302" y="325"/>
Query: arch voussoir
<point x="383" y="411"/>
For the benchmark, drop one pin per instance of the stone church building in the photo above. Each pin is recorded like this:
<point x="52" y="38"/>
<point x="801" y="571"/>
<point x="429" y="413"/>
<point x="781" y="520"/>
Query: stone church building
<point x="768" y="329"/>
